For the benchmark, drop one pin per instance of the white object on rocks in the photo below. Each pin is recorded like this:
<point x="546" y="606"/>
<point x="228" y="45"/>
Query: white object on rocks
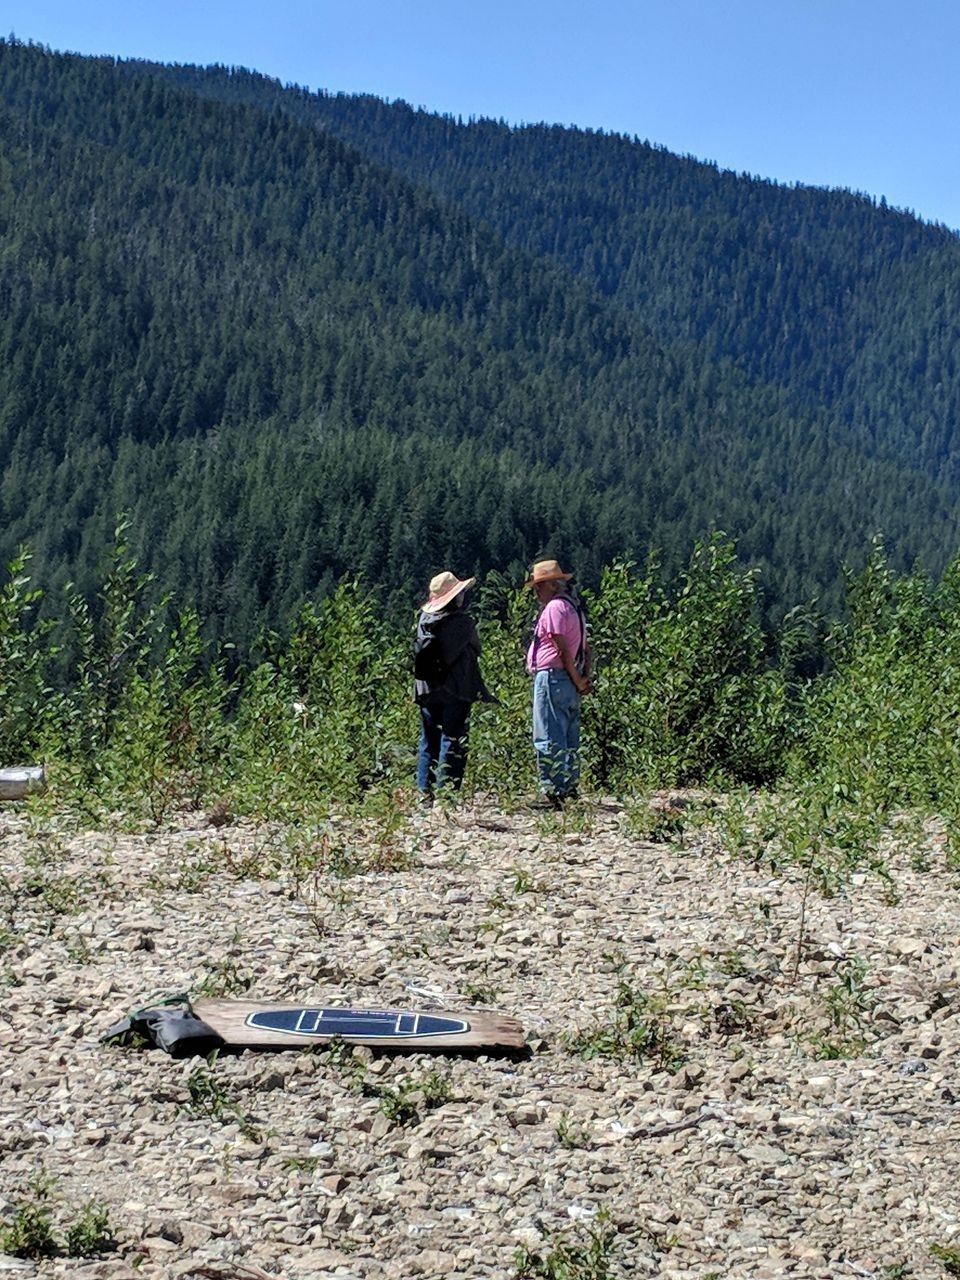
<point x="582" y="1212"/>
<point x="20" y="781"/>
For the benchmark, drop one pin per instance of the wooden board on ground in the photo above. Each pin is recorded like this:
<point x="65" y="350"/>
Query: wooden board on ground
<point x="260" y="1022"/>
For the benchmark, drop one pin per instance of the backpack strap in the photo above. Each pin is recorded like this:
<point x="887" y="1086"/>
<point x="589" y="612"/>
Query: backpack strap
<point x="581" y="648"/>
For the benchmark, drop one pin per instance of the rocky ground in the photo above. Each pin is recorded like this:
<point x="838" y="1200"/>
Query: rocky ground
<point x="765" y="1112"/>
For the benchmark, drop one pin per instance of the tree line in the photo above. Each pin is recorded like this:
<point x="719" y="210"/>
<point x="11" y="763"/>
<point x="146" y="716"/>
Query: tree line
<point x="853" y="723"/>
<point x="298" y="352"/>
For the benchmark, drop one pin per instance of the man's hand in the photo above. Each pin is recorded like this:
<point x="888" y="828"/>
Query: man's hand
<point x="580" y="682"/>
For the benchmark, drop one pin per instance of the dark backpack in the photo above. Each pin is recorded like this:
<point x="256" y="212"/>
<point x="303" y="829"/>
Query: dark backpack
<point x="584" y="658"/>
<point x="428" y="663"/>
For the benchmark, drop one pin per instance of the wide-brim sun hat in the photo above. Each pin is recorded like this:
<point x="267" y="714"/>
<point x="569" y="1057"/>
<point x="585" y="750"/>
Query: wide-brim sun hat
<point x="443" y="588"/>
<point x="547" y="571"/>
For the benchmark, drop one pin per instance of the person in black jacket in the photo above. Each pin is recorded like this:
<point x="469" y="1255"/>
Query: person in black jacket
<point x="446" y="685"/>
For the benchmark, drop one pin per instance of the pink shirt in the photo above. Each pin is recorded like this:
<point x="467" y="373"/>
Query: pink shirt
<point x="558" y="617"/>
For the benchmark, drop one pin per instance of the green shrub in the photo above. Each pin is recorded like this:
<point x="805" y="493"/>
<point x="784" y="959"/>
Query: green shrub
<point x="26" y="701"/>
<point x="329" y="715"/>
<point x="565" y="1258"/>
<point x="30" y="1233"/>
<point x="90" y="1233"/>
<point x="689" y="688"/>
<point x="640" y="1030"/>
<point x="501" y="760"/>
<point x="684" y="689"/>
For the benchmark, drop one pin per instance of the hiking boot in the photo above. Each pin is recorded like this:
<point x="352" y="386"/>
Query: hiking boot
<point x="549" y="802"/>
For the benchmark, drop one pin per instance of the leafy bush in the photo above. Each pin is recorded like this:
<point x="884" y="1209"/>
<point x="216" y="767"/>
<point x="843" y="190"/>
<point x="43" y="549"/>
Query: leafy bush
<point x="640" y="1030"/>
<point x="879" y="728"/>
<point x="24" y="694"/>
<point x="565" y="1258"/>
<point x="501" y="753"/>
<point x="689" y="688"/>
<point x="684" y="691"/>
<point x="90" y="1233"/>
<point x="30" y="1233"/>
<point x="328" y="716"/>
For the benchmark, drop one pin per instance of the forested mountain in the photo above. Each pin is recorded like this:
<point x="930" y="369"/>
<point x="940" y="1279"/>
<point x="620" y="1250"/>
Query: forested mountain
<point x="850" y="305"/>
<point x="394" y="343"/>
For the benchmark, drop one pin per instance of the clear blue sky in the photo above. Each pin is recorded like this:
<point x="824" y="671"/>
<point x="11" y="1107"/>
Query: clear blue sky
<point x="862" y="94"/>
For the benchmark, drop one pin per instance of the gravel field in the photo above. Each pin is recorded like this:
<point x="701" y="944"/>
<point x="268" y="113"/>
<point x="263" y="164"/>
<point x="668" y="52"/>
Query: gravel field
<point x="782" y="1099"/>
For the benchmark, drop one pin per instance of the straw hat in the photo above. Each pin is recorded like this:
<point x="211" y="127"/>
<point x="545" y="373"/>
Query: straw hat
<point x="547" y="571"/>
<point x="445" y="587"/>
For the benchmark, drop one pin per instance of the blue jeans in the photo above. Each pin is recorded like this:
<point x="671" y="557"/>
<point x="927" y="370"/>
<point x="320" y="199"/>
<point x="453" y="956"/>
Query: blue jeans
<point x="556" y="732"/>
<point x="442" y="757"/>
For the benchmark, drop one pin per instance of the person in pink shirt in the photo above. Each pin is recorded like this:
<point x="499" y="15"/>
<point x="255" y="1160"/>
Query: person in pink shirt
<point x="558" y="661"/>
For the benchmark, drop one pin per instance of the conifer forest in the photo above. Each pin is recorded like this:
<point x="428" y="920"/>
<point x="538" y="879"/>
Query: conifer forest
<point x="269" y="359"/>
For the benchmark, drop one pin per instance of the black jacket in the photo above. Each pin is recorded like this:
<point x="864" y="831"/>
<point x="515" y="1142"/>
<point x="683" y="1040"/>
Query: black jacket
<point x="460" y="651"/>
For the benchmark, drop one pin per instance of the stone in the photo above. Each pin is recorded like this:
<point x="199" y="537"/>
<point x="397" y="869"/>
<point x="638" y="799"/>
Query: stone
<point x="755" y="1155"/>
<point x="689" y="1076"/>
<point x="909" y="948"/>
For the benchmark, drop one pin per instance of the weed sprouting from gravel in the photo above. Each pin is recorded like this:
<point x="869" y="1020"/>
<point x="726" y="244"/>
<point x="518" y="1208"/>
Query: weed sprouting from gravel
<point x="948" y="1256"/>
<point x="301" y="1164"/>
<point x="571" y="1135"/>
<point x="404" y="1105"/>
<point x="640" y="1030"/>
<point x="847" y="1005"/>
<point x="660" y="825"/>
<point x="31" y="1232"/>
<point x="208" y="1097"/>
<point x="223" y="978"/>
<point x="733" y="1018"/>
<point x="561" y="1258"/>
<point x="348" y="1062"/>
<point x="479" y="994"/>
<point x="91" y="1233"/>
